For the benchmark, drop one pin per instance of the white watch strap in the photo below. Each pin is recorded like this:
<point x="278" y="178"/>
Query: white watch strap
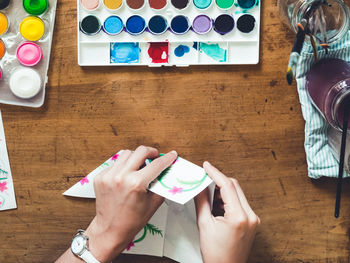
<point x="88" y="257"/>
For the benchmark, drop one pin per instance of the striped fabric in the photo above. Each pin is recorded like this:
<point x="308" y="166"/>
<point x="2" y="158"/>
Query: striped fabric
<point x="320" y="159"/>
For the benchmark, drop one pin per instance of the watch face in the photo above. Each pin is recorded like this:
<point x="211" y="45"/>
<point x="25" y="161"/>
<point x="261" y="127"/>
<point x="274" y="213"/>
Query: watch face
<point x="78" y="244"/>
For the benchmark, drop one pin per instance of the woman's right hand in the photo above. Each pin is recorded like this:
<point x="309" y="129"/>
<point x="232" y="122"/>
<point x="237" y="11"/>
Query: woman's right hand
<point x="227" y="238"/>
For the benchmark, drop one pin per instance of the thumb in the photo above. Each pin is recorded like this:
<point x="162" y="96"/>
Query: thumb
<point x="203" y="210"/>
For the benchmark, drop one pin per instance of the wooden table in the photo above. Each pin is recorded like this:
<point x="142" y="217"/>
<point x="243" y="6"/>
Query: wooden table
<point x="244" y="119"/>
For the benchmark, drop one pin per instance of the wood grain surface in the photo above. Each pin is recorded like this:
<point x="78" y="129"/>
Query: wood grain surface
<point x="243" y="119"/>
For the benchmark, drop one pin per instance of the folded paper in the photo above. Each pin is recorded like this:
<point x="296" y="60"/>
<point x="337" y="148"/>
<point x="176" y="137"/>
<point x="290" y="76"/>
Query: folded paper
<point x="7" y="192"/>
<point x="172" y="231"/>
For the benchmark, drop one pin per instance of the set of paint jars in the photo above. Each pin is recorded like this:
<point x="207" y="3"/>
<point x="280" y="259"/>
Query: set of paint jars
<point x="24" y="81"/>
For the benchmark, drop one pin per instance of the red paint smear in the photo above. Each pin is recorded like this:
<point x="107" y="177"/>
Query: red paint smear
<point x="157" y="4"/>
<point x="156" y="50"/>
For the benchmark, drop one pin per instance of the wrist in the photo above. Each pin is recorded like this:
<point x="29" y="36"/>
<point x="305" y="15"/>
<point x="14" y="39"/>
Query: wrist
<point x="102" y="245"/>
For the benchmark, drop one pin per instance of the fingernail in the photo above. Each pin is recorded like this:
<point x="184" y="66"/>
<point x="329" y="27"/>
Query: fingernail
<point x="206" y="163"/>
<point x="173" y="152"/>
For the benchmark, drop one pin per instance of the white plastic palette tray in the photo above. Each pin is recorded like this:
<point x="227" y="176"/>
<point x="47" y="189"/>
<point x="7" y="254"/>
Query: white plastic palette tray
<point x="238" y="47"/>
<point x="12" y="40"/>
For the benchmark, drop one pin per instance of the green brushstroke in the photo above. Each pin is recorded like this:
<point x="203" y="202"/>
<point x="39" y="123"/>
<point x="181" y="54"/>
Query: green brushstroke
<point x="214" y="51"/>
<point x="150" y="228"/>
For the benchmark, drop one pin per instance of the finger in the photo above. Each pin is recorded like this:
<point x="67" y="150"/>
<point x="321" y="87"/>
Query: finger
<point x="119" y="164"/>
<point x="203" y="210"/>
<point x="137" y="159"/>
<point x="244" y="202"/>
<point x="228" y="192"/>
<point x="156" y="167"/>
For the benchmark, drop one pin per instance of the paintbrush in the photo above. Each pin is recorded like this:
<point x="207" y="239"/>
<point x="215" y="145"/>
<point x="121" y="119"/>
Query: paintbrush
<point x="341" y="159"/>
<point x="294" y="56"/>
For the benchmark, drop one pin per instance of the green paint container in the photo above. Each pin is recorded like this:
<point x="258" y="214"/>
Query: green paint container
<point x="35" y="7"/>
<point x="224" y="4"/>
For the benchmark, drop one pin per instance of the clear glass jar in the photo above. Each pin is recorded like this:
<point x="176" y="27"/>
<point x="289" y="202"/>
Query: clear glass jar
<point x="336" y="17"/>
<point x="328" y="86"/>
<point x="334" y="141"/>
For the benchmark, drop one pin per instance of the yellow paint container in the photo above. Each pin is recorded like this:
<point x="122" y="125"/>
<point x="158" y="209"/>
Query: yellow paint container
<point x="4" y="24"/>
<point x="113" y="4"/>
<point x="32" y="28"/>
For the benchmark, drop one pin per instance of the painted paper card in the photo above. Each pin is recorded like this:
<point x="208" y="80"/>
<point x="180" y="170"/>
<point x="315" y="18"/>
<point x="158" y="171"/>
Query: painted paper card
<point x="7" y="192"/>
<point x="150" y="240"/>
<point x="181" y="182"/>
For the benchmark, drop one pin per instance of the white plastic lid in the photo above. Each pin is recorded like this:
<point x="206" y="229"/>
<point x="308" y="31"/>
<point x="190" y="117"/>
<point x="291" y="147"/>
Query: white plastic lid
<point x="25" y="83"/>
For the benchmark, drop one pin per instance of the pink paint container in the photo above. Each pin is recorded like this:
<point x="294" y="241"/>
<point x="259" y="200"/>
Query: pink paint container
<point x="29" y="54"/>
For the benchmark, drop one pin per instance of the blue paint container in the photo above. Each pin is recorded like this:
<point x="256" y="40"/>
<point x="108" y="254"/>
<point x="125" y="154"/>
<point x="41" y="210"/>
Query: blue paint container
<point x="135" y="25"/>
<point x="202" y="4"/>
<point x="158" y="25"/>
<point x="247" y="4"/>
<point x="180" y="25"/>
<point x="113" y="25"/>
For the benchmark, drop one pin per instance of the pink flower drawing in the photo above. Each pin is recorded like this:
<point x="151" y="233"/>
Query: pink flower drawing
<point x="85" y="180"/>
<point x="131" y="244"/>
<point x="176" y="190"/>
<point x="115" y="157"/>
<point x="3" y="187"/>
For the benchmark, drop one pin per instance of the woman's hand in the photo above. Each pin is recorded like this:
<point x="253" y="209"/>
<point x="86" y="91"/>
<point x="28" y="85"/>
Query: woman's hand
<point x="227" y="238"/>
<point x="123" y="203"/>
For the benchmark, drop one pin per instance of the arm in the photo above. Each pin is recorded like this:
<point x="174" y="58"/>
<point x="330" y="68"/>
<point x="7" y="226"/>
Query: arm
<point x="227" y="238"/>
<point x="123" y="203"/>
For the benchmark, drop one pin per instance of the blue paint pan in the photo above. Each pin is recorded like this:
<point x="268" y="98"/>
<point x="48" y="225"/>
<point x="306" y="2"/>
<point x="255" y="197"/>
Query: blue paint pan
<point x="113" y="25"/>
<point x="135" y="25"/>
<point x="180" y="25"/>
<point x="158" y="25"/>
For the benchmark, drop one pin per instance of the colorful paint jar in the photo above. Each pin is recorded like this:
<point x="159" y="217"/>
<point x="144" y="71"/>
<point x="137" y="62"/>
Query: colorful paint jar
<point x="202" y="4"/>
<point x="246" y="23"/>
<point x="113" y="25"/>
<point x="113" y="5"/>
<point x="29" y="54"/>
<point x="224" y="24"/>
<point x="25" y="83"/>
<point x="2" y="49"/>
<point x="247" y="4"/>
<point x="180" y="4"/>
<point x="90" y="5"/>
<point x="32" y="28"/>
<point x="180" y="25"/>
<point x="35" y="8"/>
<point x="135" y="4"/>
<point x="135" y="25"/>
<point x="4" y="23"/>
<point x="224" y="4"/>
<point x="158" y="25"/>
<point x="202" y="24"/>
<point x="4" y="4"/>
<point x="90" y="25"/>
<point x="157" y="4"/>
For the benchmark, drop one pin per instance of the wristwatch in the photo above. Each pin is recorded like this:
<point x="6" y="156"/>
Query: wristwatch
<point x="80" y="247"/>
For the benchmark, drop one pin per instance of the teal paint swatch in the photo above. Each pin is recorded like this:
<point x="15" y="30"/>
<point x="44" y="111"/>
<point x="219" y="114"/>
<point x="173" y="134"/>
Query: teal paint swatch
<point x="202" y="4"/>
<point x="214" y="51"/>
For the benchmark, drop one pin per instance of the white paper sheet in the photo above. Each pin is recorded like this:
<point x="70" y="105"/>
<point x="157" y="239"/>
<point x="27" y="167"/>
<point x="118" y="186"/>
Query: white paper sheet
<point x="7" y="192"/>
<point x="180" y="240"/>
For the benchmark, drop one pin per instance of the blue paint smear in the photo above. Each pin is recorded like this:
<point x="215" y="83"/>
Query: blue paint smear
<point x="214" y="51"/>
<point x="135" y="24"/>
<point x="113" y="25"/>
<point x="125" y="53"/>
<point x="195" y="45"/>
<point x="202" y="4"/>
<point x="181" y="50"/>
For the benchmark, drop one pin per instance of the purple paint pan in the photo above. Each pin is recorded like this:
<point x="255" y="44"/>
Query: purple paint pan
<point x="202" y="24"/>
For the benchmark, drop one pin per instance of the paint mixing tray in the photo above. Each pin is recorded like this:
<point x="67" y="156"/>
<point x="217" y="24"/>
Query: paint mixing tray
<point x="168" y="32"/>
<point x="26" y="44"/>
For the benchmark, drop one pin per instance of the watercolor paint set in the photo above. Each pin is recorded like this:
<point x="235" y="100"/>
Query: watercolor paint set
<point x="168" y="32"/>
<point x="26" y="30"/>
